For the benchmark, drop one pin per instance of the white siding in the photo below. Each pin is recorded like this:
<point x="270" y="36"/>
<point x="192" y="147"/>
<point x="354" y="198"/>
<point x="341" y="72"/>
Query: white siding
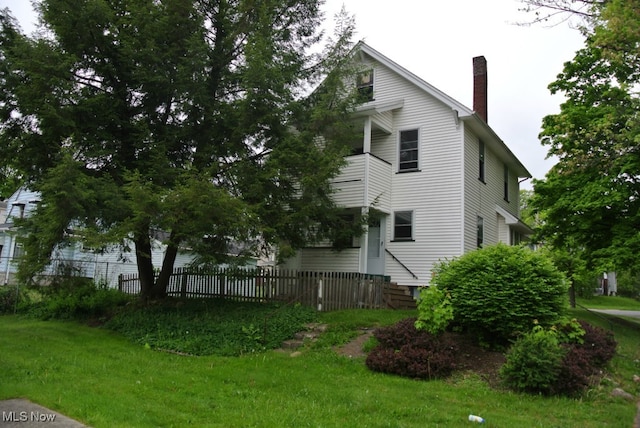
<point x="434" y="192"/>
<point x="325" y="259"/>
<point x="353" y="189"/>
<point x="481" y="198"/>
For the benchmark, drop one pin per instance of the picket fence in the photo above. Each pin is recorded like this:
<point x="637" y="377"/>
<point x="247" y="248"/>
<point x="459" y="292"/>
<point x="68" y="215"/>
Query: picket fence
<point x="326" y="291"/>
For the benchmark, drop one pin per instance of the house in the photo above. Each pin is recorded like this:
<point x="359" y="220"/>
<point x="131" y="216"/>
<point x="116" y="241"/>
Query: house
<point x="103" y="266"/>
<point x="434" y="180"/>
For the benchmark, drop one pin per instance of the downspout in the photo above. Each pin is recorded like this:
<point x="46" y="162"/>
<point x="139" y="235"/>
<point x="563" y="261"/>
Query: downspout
<point x="364" y="247"/>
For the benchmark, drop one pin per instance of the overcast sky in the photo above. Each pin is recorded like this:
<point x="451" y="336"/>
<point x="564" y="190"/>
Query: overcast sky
<point x="437" y="40"/>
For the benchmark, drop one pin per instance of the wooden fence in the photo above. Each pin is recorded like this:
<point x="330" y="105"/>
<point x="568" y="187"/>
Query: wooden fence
<point x="326" y="291"/>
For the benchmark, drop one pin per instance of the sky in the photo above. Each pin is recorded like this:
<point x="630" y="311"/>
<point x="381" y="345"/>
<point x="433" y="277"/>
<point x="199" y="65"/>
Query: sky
<point x="437" y="39"/>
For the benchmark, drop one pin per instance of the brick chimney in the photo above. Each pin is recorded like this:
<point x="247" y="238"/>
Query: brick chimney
<point x="480" y="86"/>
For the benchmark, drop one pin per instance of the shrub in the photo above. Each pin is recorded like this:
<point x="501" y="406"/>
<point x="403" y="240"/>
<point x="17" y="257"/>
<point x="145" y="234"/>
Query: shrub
<point x="498" y="292"/>
<point x="403" y="350"/>
<point x="558" y="361"/>
<point x="9" y="298"/>
<point x="435" y="311"/>
<point x="584" y="359"/>
<point x="78" y="300"/>
<point x="533" y="362"/>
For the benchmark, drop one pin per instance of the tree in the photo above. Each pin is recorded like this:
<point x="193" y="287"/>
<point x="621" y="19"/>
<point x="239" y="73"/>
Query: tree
<point x="178" y="116"/>
<point x="590" y="199"/>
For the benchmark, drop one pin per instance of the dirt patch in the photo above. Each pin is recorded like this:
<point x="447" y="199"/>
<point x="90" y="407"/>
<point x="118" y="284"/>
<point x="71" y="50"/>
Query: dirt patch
<point x="470" y="357"/>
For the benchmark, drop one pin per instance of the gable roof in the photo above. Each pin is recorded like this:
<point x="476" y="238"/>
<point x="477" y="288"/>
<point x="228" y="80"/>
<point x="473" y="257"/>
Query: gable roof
<point x="465" y="114"/>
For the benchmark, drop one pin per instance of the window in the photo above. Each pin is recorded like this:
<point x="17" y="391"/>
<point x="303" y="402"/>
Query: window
<point x="481" y="162"/>
<point x="516" y="237"/>
<point x="506" y="182"/>
<point x="365" y="85"/>
<point x="408" y="150"/>
<point x="18" y="251"/>
<point x="480" y="231"/>
<point x="20" y="208"/>
<point x="403" y="226"/>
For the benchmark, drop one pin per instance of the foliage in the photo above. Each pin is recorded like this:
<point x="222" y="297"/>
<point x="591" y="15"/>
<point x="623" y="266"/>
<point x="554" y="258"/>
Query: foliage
<point x="628" y="284"/>
<point x="533" y="362"/>
<point x="188" y="117"/>
<point x="76" y="298"/>
<point x="211" y="327"/>
<point x="10" y="296"/>
<point x="590" y="198"/>
<point x="583" y="360"/>
<point x="434" y="309"/>
<point x="498" y="292"/>
<point x="405" y="351"/>
<point x="558" y="361"/>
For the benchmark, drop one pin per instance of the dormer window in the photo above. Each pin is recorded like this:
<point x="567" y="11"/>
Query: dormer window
<point x="365" y="85"/>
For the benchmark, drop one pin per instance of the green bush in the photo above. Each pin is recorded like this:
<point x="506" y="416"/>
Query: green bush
<point x="435" y="311"/>
<point x="560" y="360"/>
<point x="533" y="362"/>
<point x="78" y="299"/>
<point x="9" y="297"/>
<point x="499" y="292"/>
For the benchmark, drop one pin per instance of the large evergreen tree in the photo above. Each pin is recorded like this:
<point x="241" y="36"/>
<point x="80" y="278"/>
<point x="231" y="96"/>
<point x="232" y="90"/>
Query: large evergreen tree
<point x="590" y="198"/>
<point x="190" y="117"/>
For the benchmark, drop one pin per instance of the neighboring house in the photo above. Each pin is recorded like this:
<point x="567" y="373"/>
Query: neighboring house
<point x="104" y="267"/>
<point x="434" y="178"/>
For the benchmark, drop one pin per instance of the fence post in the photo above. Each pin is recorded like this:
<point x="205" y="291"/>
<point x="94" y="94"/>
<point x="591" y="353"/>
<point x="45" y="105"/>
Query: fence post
<point x="320" y="294"/>
<point x="183" y="285"/>
<point x="120" y="282"/>
<point x="223" y="285"/>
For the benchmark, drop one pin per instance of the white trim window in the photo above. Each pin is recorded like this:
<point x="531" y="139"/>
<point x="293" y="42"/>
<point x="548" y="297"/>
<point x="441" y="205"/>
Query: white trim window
<point x="408" y="149"/>
<point x="505" y="180"/>
<point x="365" y="85"/>
<point x="403" y="226"/>
<point x="480" y="232"/>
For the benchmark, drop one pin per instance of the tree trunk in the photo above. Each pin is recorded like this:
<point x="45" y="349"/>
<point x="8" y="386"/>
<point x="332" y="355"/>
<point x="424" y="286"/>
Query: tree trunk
<point x="145" y="267"/>
<point x="572" y="295"/>
<point x="167" y="266"/>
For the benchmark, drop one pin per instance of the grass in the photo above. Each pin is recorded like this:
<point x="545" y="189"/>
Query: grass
<point x="610" y="302"/>
<point x="104" y="380"/>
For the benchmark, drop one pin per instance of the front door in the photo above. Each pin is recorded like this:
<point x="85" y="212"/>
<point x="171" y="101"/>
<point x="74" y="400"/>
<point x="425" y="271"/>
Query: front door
<point x="375" y="250"/>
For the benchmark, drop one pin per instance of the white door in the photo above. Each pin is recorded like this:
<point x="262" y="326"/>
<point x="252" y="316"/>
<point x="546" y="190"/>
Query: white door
<point x="375" y="250"/>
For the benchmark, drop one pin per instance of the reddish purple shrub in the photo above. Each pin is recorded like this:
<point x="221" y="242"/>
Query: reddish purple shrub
<point x="584" y="360"/>
<point x="405" y="351"/>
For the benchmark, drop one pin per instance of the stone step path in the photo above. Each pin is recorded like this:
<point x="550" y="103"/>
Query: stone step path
<point x="310" y="333"/>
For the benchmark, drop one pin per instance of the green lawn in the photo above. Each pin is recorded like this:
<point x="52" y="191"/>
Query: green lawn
<point x="610" y="302"/>
<point x="103" y="380"/>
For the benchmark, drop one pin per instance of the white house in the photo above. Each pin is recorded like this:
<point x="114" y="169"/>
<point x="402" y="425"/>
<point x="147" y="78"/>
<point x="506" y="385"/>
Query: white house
<point x="434" y="178"/>
<point x="103" y="267"/>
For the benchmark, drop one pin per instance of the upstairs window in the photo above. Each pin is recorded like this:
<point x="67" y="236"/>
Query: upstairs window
<point x="506" y="182"/>
<point x="408" y="150"/>
<point x="481" y="162"/>
<point x="403" y="226"/>
<point x="365" y="85"/>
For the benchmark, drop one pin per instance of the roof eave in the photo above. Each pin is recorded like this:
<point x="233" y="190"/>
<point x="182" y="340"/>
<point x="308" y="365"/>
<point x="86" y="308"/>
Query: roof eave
<point x="488" y="135"/>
